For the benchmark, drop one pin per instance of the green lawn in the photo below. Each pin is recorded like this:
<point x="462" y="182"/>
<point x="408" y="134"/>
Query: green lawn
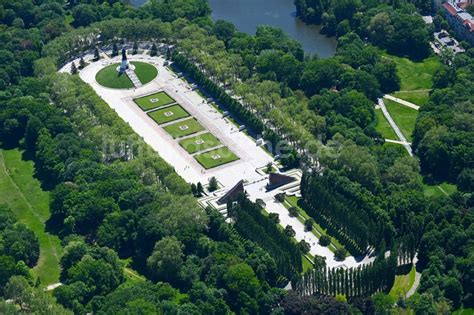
<point x="403" y="284"/>
<point x="415" y="75"/>
<point x="307" y="265"/>
<point x="441" y="190"/>
<point x="168" y="114"/>
<point x="199" y="143"/>
<point x="155" y="100"/>
<point x="383" y="127"/>
<point x="131" y="275"/>
<point x="448" y="188"/>
<point x="184" y="128"/>
<point x="23" y="193"/>
<point x="109" y="76"/>
<point x="403" y="116"/>
<point x="69" y="19"/>
<point x="216" y="157"/>
<point x="144" y="71"/>
<point x="292" y="201"/>
<point x="417" y="97"/>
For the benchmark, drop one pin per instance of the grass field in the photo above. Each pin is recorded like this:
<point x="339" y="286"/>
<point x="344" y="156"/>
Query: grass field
<point x="168" y="114"/>
<point x="109" y="77"/>
<point x="30" y="204"/>
<point x="417" y="97"/>
<point x="144" y="71"/>
<point x="441" y="190"/>
<point x="403" y="284"/>
<point x="307" y="265"/>
<point x="415" y="75"/>
<point x="383" y="127"/>
<point x="403" y="116"/>
<point x="156" y="100"/>
<point x="216" y="157"/>
<point x="199" y="143"/>
<point x="177" y="130"/>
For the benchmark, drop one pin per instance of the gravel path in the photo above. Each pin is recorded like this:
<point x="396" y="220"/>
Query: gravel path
<point x="415" y="285"/>
<point x="402" y="102"/>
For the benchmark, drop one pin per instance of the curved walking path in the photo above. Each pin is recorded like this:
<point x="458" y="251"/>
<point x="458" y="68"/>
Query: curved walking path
<point x="402" y="102"/>
<point x="394" y="126"/>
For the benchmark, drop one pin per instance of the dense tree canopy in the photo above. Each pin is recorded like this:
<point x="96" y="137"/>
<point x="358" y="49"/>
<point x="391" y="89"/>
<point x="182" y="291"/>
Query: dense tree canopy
<point x="394" y="28"/>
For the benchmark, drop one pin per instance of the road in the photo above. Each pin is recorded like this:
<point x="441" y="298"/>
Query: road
<point x="394" y="126"/>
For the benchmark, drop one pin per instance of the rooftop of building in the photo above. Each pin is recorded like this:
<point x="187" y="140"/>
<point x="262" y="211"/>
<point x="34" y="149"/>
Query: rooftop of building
<point x="457" y="8"/>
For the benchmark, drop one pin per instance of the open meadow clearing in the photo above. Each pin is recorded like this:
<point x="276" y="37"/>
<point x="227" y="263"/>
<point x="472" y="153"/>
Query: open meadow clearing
<point x="417" y="97"/>
<point x="30" y="204"/>
<point x="383" y="127"/>
<point x="402" y="284"/>
<point x="415" y="75"/>
<point x="403" y="116"/>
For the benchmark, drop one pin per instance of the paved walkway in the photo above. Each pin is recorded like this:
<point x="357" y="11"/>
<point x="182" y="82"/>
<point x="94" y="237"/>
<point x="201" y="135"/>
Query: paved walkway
<point x="251" y="156"/>
<point x="415" y="285"/>
<point x="53" y="286"/>
<point x="402" y="102"/>
<point x="394" y="126"/>
<point x="396" y="141"/>
<point x="133" y="77"/>
<point x="257" y="191"/>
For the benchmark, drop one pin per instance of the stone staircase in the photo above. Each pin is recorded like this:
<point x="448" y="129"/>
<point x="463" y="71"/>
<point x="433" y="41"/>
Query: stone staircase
<point x="133" y="77"/>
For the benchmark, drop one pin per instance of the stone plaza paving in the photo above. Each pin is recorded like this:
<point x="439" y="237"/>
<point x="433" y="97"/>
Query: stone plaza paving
<point x="251" y="157"/>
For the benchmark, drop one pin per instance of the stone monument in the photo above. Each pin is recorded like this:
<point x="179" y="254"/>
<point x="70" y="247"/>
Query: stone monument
<point x="124" y="64"/>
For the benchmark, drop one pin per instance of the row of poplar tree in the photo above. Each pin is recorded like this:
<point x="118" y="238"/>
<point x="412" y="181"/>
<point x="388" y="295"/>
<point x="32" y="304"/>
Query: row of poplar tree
<point x="346" y="209"/>
<point x="252" y="224"/>
<point x="352" y="282"/>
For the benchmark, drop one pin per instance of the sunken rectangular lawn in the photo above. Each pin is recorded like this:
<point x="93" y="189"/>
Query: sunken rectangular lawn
<point x="199" y="143"/>
<point x="155" y="100"/>
<point x="216" y="157"/>
<point x="184" y="128"/>
<point x="168" y="114"/>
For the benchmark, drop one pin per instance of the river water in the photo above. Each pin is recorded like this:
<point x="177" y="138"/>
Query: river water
<point x="248" y="14"/>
